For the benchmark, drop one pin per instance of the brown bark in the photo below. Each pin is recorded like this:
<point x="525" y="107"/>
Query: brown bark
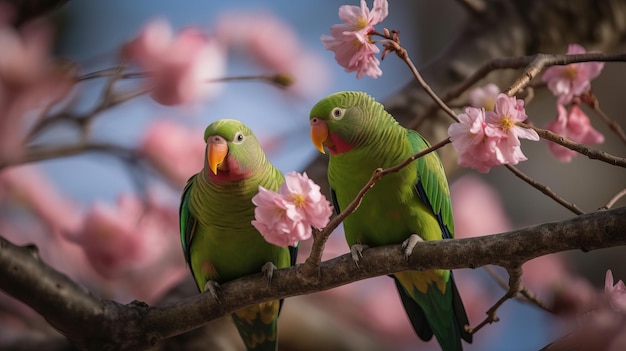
<point x="96" y="324"/>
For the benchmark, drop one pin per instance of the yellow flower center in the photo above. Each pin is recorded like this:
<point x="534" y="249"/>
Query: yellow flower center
<point x="299" y="200"/>
<point x="361" y="23"/>
<point x="506" y="123"/>
<point x="570" y="71"/>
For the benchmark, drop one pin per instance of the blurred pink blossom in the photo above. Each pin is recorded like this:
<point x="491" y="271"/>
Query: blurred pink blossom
<point x="478" y="210"/>
<point x="600" y="318"/>
<point x="543" y="273"/>
<point x="484" y="96"/>
<point x="29" y="81"/>
<point x="286" y="217"/>
<point x="274" y="44"/>
<point x="179" y="66"/>
<point x="571" y="80"/>
<point x="134" y="243"/>
<point x="470" y="197"/>
<point x="574" y="125"/>
<point x="573" y="295"/>
<point x="173" y="149"/>
<point x="29" y="186"/>
<point x="351" y="42"/>
<point x="616" y="294"/>
<point x="486" y="139"/>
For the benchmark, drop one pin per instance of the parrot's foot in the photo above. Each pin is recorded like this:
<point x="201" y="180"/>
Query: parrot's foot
<point x="356" y="251"/>
<point x="268" y="270"/>
<point x="212" y="287"/>
<point x="409" y="244"/>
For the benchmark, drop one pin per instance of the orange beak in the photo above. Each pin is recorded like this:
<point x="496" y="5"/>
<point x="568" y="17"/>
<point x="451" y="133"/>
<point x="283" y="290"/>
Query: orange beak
<point x="216" y="153"/>
<point x="319" y="133"/>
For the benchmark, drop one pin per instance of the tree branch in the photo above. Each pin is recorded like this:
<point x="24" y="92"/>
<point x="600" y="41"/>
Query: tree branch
<point x="103" y="324"/>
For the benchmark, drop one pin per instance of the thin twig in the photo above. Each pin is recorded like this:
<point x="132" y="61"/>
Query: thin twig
<point x="614" y="199"/>
<point x="535" y="64"/>
<point x="591" y="101"/>
<point x="515" y="278"/>
<point x="392" y="43"/>
<point x="525" y="295"/>
<point x="545" y="189"/>
<point x="583" y="149"/>
<point x="540" y="61"/>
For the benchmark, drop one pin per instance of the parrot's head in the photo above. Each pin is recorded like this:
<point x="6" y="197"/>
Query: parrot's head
<point x="343" y="121"/>
<point x="232" y="150"/>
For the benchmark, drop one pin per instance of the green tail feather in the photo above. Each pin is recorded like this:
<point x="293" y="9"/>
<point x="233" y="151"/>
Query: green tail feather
<point x="447" y="326"/>
<point x="257" y="326"/>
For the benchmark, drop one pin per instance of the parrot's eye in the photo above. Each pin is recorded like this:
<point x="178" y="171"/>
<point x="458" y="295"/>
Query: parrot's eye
<point x="337" y="113"/>
<point x="238" y="137"/>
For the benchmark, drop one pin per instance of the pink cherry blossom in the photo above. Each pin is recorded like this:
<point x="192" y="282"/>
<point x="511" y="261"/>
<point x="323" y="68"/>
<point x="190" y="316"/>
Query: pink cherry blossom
<point x="486" y="139"/>
<point x="474" y="141"/>
<point x="574" y="125"/>
<point x="507" y="112"/>
<point x="300" y="190"/>
<point x="616" y="294"/>
<point x="351" y="42"/>
<point x="179" y="66"/>
<point x="277" y="220"/>
<point x="484" y="96"/>
<point x="29" y="81"/>
<point x="176" y="151"/>
<point x="573" y="79"/>
<point x="286" y="217"/>
<point x="254" y="35"/>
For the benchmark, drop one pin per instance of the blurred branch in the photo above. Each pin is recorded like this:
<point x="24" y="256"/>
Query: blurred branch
<point x="34" y="154"/>
<point x="524" y="295"/>
<point x="30" y="9"/>
<point x="102" y="324"/>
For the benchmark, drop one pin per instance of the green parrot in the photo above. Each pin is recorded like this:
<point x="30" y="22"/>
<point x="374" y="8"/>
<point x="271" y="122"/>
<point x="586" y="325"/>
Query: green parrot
<point x="402" y="208"/>
<point x="219" y="242"/>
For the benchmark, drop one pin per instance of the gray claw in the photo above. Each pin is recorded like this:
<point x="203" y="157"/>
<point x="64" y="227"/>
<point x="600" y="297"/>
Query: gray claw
<point x="212" y="287"/>
<point x="356" y="251"/>
<point x="268" y="270"/>
<point x="409" y="244"/>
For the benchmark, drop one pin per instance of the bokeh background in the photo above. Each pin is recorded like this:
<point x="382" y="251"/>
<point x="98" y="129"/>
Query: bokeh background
<point x="91" y="33"/>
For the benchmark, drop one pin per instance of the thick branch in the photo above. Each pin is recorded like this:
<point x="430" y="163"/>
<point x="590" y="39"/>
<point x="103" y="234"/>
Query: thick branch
<point x="94" y="324"/>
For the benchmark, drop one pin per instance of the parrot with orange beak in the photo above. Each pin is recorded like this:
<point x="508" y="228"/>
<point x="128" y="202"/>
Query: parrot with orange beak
<point x="402" y="208"/>
<point x="219" y="242"/>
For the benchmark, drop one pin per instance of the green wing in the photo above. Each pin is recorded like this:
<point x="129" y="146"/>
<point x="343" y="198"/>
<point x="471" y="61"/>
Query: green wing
<point x="432" y="185"/>
<point x="187" y="221"/>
